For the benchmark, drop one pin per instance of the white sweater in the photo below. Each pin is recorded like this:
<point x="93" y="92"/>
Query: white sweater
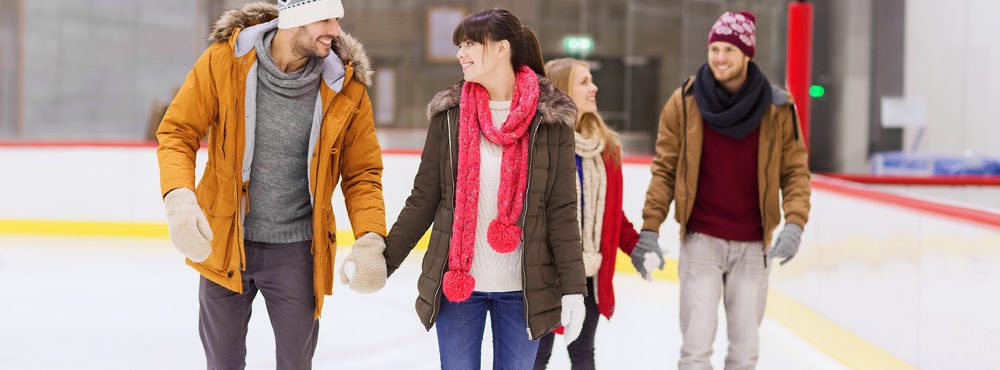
<point x="493" y="271"/>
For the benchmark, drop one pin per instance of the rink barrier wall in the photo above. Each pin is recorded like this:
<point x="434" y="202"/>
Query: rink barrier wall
<point x="918" y="180"/>
<point x="124" y="177"/>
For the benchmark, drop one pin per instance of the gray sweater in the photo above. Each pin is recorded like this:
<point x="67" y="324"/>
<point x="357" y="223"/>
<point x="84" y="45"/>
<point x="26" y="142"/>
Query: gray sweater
<point x="280" y="210"/>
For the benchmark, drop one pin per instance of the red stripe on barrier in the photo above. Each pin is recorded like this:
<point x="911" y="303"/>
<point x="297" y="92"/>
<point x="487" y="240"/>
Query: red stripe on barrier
<point x="915" y="180"/>
<point x="152" y="144"/>
<point x="416" y="152"/>
<point x="977" y="216"/>
<point x="637" y="159"/>
<point x="78" y="144"/>
<point x="130" y="144"/>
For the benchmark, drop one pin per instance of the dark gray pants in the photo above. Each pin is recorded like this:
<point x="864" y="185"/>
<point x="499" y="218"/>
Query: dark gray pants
<point x="283" y="273"/>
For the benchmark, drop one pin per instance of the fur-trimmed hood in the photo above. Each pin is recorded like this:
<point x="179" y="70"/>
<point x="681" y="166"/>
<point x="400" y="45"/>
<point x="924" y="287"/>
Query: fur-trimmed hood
<point x="553" y="105"/>
<point x="345" y="46"/>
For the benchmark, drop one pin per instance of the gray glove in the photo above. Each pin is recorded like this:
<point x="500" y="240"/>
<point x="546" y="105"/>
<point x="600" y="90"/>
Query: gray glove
<point x="787" y="244"/>
<point x="647" y="244"/>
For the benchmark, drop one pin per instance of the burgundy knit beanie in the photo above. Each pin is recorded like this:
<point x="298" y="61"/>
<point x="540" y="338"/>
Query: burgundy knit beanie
<point x="739" y="29"/>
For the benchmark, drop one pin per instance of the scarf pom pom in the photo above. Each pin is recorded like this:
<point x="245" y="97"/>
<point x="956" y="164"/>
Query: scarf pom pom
<point x="458" y="285"/>
<point x="503" y="238"/>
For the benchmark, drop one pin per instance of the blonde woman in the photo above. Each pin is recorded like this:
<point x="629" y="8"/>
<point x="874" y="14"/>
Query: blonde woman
<point x="605" y="229"/>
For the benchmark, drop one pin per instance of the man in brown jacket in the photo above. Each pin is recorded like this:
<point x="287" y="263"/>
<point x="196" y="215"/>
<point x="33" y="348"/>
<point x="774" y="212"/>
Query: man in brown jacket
<point x="282" y="95"/>
<point x="728" y="143"/>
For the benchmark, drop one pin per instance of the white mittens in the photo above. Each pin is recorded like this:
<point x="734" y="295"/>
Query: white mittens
<point x="573" y="313"/>
<point x="189" y="229"/>
<point x="364" y="269"/>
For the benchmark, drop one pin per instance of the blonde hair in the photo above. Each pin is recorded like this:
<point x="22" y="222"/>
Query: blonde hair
<point x="561" y="72"/>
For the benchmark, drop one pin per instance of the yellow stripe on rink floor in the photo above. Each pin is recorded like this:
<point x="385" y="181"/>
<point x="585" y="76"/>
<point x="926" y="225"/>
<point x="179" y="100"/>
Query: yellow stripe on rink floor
<point x="124" y="230"/>
<point x="844" y="346"/>
<point x="84" y="228"/>
<point x="840" y="344"/>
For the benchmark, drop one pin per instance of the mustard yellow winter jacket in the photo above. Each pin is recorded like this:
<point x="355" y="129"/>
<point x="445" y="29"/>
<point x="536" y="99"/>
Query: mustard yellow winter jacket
<point x="218" y="99"/>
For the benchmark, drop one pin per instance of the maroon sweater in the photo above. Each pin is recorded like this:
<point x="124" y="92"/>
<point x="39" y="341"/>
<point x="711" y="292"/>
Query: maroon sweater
<point x="726" y="205"/>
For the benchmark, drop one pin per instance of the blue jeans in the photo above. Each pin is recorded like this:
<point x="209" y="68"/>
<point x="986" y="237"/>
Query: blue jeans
<point x="460" y="328"/>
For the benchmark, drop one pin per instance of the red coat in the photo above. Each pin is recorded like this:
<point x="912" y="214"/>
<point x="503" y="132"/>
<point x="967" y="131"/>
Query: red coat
<point x="617" y="233"/>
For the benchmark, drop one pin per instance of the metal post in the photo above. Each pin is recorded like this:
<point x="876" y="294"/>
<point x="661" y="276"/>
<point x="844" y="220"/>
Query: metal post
<point x="685" y="23"/>
<point x="629" y="49"/>
<point x="19" y="129"/>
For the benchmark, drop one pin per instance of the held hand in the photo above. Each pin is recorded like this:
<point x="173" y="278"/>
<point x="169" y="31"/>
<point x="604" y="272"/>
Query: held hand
<point x="647" y="254"/>
<point x="364" y="269"/>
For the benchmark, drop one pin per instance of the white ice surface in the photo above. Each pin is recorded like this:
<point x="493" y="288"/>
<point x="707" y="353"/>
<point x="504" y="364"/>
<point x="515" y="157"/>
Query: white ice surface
<point x="112" y="303"/>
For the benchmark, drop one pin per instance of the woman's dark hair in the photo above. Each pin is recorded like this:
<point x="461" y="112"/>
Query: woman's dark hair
<point x="499" y="24"/>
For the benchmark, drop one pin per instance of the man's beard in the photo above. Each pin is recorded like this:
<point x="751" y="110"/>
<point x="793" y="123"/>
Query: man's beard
<point x="309" y="49"/>
<point x="734" y="74"/>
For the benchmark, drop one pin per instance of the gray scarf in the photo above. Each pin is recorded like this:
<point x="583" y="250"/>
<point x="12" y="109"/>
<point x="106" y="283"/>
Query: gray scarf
<point x="289" y="85"/>
<point x="738" y="114"/>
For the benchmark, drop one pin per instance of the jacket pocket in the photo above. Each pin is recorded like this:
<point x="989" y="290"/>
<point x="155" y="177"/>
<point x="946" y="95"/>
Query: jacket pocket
<point x="222" y="240"/>
<point x="225" y="199"/>
<point x="221" y="132"/>
<point x="207" y="190"/>
<point x="331" y="227"/>
<point x="215" y="193"/>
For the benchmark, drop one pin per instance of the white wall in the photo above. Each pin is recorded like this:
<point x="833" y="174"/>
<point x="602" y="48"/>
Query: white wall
<point x="952" y="60"/>
<point x="122" y="185"/>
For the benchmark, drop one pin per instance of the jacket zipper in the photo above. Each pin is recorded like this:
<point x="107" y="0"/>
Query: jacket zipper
<point x="684" y="143"/>
<point x="524" y="220"/>
<point x="244" y="208"/>
<point x="451" y="168"/>
<point x="763" y="206"/>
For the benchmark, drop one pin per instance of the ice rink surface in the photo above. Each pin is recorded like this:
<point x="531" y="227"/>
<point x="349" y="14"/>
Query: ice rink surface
<point x="118" y="303"/>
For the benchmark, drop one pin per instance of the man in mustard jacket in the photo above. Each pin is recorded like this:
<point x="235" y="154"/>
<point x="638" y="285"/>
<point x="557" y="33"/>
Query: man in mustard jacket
<point x="281" y="94"/>
<point x="729" y="153"/>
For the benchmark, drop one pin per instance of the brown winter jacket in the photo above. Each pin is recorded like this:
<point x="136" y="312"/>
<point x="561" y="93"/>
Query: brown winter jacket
<point x="783" y="164"/>
<point x="216" y="99"/>
<point x="552" y="255"/>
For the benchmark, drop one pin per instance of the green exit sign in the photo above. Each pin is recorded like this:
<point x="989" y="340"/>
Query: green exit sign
<point x="817" y="91"/>
<point x="579" y="46"/>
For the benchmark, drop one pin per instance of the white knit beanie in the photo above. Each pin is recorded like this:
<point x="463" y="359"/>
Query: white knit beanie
<point x="295" y="13"/>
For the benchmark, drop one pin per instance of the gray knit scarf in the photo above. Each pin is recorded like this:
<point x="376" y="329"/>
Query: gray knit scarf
<point x="289" y="85"/>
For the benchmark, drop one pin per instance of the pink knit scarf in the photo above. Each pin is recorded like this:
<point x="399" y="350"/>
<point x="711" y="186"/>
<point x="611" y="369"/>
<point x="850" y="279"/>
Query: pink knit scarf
<point x="503" y="233"/>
